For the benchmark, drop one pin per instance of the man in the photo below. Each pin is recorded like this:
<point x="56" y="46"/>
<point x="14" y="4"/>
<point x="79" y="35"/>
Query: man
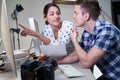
<point x="100" y="42"/>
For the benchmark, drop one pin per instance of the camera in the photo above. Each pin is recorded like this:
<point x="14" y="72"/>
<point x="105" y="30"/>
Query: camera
<point x="38" y="70"/>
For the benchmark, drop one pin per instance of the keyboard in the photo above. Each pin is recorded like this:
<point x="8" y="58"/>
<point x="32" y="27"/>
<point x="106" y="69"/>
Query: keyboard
<point x="70" y="71"/>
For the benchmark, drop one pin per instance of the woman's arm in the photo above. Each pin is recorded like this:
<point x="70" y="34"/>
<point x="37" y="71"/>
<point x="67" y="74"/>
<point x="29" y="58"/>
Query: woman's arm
<point x="27" y="31"/>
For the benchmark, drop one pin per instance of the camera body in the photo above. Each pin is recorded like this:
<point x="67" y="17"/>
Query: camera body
<point x="38" y="70"/>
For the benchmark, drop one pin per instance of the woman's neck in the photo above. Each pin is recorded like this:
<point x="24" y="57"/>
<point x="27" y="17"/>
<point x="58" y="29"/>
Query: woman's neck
<point x="56" y="29"/>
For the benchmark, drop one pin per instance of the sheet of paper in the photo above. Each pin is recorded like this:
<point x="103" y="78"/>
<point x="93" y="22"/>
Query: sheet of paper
<point x="55" y="51"/>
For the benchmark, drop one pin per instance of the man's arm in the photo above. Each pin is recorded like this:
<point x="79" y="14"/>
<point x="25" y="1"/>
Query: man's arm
<point x="88" y="59"/>
<point x="71" y="58"/>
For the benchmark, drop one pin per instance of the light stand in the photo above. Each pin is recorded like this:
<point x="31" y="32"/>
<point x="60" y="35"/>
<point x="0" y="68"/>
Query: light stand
<point x="18" y="9"/>
<point x="17" y="31"/>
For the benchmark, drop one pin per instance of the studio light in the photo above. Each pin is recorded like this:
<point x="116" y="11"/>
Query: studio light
<point x="17" y="9"/>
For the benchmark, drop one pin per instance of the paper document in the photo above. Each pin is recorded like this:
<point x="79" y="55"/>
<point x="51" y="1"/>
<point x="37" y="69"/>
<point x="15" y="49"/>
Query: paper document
<point x="55" y="51"/>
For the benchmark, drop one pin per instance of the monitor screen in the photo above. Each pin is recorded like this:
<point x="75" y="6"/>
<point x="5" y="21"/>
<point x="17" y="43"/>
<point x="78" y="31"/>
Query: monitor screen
<point x="5" y="30"/>
<point x="34" y="26"/>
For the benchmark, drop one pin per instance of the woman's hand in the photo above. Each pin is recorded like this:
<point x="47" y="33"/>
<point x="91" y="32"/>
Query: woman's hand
<point x="27" y="31"/>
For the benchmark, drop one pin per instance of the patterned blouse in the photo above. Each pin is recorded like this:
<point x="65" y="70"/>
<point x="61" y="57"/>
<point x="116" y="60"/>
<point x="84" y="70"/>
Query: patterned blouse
<point x="63" y="35"/>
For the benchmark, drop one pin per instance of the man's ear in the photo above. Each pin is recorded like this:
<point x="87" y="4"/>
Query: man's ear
<point x="87" y="16"/>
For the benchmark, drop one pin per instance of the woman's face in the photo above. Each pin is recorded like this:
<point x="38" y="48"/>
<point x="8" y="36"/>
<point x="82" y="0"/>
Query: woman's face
<point x="53" y="16"/>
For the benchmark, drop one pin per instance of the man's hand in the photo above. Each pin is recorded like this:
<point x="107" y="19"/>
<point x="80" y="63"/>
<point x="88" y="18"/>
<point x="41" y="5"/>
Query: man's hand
<point x="74" y="34"/>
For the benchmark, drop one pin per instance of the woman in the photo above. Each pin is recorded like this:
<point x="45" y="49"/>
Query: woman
<point x="56" y="32"/>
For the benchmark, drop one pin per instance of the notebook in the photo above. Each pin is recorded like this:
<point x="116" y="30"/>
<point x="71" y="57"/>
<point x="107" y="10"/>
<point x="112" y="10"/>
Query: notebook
<point x="55" y="51"/>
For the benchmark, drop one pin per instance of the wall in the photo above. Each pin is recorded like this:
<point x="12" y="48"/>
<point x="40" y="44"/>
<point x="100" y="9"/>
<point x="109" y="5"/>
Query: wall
<point x="34" y="8"/>
<point x="31" y="9"/>
<point x="106" y="9"/>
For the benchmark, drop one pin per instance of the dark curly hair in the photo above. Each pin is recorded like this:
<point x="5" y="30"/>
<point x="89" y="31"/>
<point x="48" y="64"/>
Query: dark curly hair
<point x="46" y="8"/>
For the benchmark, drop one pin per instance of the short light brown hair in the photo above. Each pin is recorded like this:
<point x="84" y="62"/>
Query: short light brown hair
<point x="90" y="6"/>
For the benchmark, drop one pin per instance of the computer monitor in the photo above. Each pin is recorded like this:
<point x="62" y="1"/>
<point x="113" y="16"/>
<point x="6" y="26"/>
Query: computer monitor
<point x="34" y="26"/>
<point x="5" y="30"/>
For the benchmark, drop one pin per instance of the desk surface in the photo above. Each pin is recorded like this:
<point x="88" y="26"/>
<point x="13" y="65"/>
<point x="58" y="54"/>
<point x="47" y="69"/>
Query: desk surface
<point x="58" y="75"/>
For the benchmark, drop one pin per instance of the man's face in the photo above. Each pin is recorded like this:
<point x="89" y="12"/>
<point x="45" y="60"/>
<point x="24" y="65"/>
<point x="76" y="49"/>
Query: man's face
<point x="78" y="16"/>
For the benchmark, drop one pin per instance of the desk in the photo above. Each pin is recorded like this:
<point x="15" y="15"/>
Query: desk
<point x="88" y="74"/>
<point x="58" y="75"/>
